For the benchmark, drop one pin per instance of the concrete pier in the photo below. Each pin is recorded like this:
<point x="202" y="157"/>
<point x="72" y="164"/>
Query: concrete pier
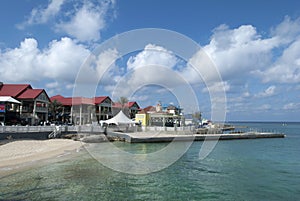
<point x="144" y="137"/>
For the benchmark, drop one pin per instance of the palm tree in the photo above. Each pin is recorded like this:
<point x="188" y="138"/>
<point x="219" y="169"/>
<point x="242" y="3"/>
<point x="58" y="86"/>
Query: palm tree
<point x="55" y="107"/>
<point x="123" y="101"/>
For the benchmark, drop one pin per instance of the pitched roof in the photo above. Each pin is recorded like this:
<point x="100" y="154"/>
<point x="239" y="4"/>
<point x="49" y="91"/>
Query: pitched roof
<point x="100" y="99"/>
<point x="56" y="97"/>
<point x="64" y="101"/>
<point x="30" y="94"/>
<point x="128" y="105"/>
<point x="149" y="108"/>
<point x="13" y="90"/>
<point x="69" y="101"/>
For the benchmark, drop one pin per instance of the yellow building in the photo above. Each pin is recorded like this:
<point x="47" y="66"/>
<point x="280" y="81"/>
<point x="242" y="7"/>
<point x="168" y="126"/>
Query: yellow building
<point x="142" y="118"/>
<point x="156" y="116"/>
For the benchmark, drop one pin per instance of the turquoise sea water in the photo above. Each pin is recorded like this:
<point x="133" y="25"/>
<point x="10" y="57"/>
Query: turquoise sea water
<point x="256" y="169"/>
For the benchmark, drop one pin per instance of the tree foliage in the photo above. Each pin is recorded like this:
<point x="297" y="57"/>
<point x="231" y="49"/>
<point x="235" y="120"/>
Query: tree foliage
<point x="123" y="101"/>
<point x="55" y="107"/>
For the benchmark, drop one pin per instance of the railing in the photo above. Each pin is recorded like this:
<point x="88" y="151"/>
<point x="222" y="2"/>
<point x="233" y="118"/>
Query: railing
<point x="25" y="129"/>
<point x="57" y="131"/>
<point x="41" y="109"/>
<point x="160" y="128"/>
<point x="85" y="129"/>
<point x="29" y="129"/>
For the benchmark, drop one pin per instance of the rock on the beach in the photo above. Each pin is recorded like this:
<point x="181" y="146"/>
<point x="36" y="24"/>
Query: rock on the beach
<point x="94" y="139"/>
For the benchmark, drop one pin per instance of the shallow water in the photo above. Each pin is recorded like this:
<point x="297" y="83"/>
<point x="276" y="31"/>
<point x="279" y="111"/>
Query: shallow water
<point x="257" y="169"/>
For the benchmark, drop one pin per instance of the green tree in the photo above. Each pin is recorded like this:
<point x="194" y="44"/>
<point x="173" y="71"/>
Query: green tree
<point x="55" y="107"/>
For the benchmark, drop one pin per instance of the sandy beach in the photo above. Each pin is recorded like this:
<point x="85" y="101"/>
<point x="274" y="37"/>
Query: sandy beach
<point x="25" y="151"/>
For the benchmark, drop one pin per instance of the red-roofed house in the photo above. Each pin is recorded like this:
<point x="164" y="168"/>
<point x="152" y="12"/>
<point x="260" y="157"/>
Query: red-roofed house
<point x="13" y="90"/>
<point x="130" y="108"/>
<point x="34" y="105"/>
<point x="80" y="110"/>
<point x="34" y="102"/>
<point x="103" y="107"/>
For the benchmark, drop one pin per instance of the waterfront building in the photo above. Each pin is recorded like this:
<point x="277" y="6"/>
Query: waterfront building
<point x="9" y="110"/>
<point x="143" y="115"/>
<point x="103" y="107"/>
<point x="130" y="109"/>
<point x="81" y="110"/>
<point x="167" y="116"/>
<point x="34" y="103"/>
<point x="34" y="106"/>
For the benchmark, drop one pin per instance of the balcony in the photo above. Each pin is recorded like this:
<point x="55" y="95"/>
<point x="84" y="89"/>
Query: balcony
<point x="41" y="109"/>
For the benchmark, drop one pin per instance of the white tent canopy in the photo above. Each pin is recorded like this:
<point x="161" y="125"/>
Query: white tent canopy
<point x="9" y="99"/>
<point x="120" y="118"/>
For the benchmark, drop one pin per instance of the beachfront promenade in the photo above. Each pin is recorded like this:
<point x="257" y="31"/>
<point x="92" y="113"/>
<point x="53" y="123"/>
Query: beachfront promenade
<point x="43" y="132"/>
<point x="131" y="135"/>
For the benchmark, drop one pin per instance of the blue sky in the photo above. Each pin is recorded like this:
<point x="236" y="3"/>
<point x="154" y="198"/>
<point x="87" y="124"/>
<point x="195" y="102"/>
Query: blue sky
<point x="255" y="45"/>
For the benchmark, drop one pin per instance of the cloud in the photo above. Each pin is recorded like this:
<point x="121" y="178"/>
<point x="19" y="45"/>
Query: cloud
<point x="82" y="20"/>
<point x="270" y="91"/>
<point x="239" y="51"/>
<point x="87" y="22"/>
<point x="291" y="106"/>
<point x="264" y="107"/>
<point x="99" y="69"/>
<point x="140" y="98"/>
<point x="153" y="65"/>
<point x="42" y="15"/>
<point x="60" y="61"/>
<point x="287" y="30"/>
<point x="217" y="87"/>
<point x="152" y="55"/>
<point x="19" y="64"/>
<point x="242" y="52"/>
<point x="286" y="69"/>
<point x="52" y="85"/>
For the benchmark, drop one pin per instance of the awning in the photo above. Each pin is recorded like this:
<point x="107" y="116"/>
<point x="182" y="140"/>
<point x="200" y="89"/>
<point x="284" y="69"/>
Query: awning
<point x="9" y="99"/>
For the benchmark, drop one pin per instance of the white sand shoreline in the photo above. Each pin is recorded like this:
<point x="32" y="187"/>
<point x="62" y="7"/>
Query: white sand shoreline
<point x="21" y="152"/>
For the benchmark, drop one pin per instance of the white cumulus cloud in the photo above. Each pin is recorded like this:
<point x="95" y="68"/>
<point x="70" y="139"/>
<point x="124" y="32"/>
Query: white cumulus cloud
<point x="87" y="22"/>
<point x="152" y="55"/>
<point x="286" y="69"/>
<point x="238" y="51"/>
<point x="59" y="61"/>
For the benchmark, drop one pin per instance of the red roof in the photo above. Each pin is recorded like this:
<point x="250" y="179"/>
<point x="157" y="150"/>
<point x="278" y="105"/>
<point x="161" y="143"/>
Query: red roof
<point x="62" y="100"/>
<point x="100" y="99"/>
<point x="128" y="105"/>
<point x="147" y="109"/>
<point x="13" y="90"/>
<point x="82" y="101"/>
<point x="69" y="101"/>
<point x="56" y="97"/>
<point x="31" y="94"/>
